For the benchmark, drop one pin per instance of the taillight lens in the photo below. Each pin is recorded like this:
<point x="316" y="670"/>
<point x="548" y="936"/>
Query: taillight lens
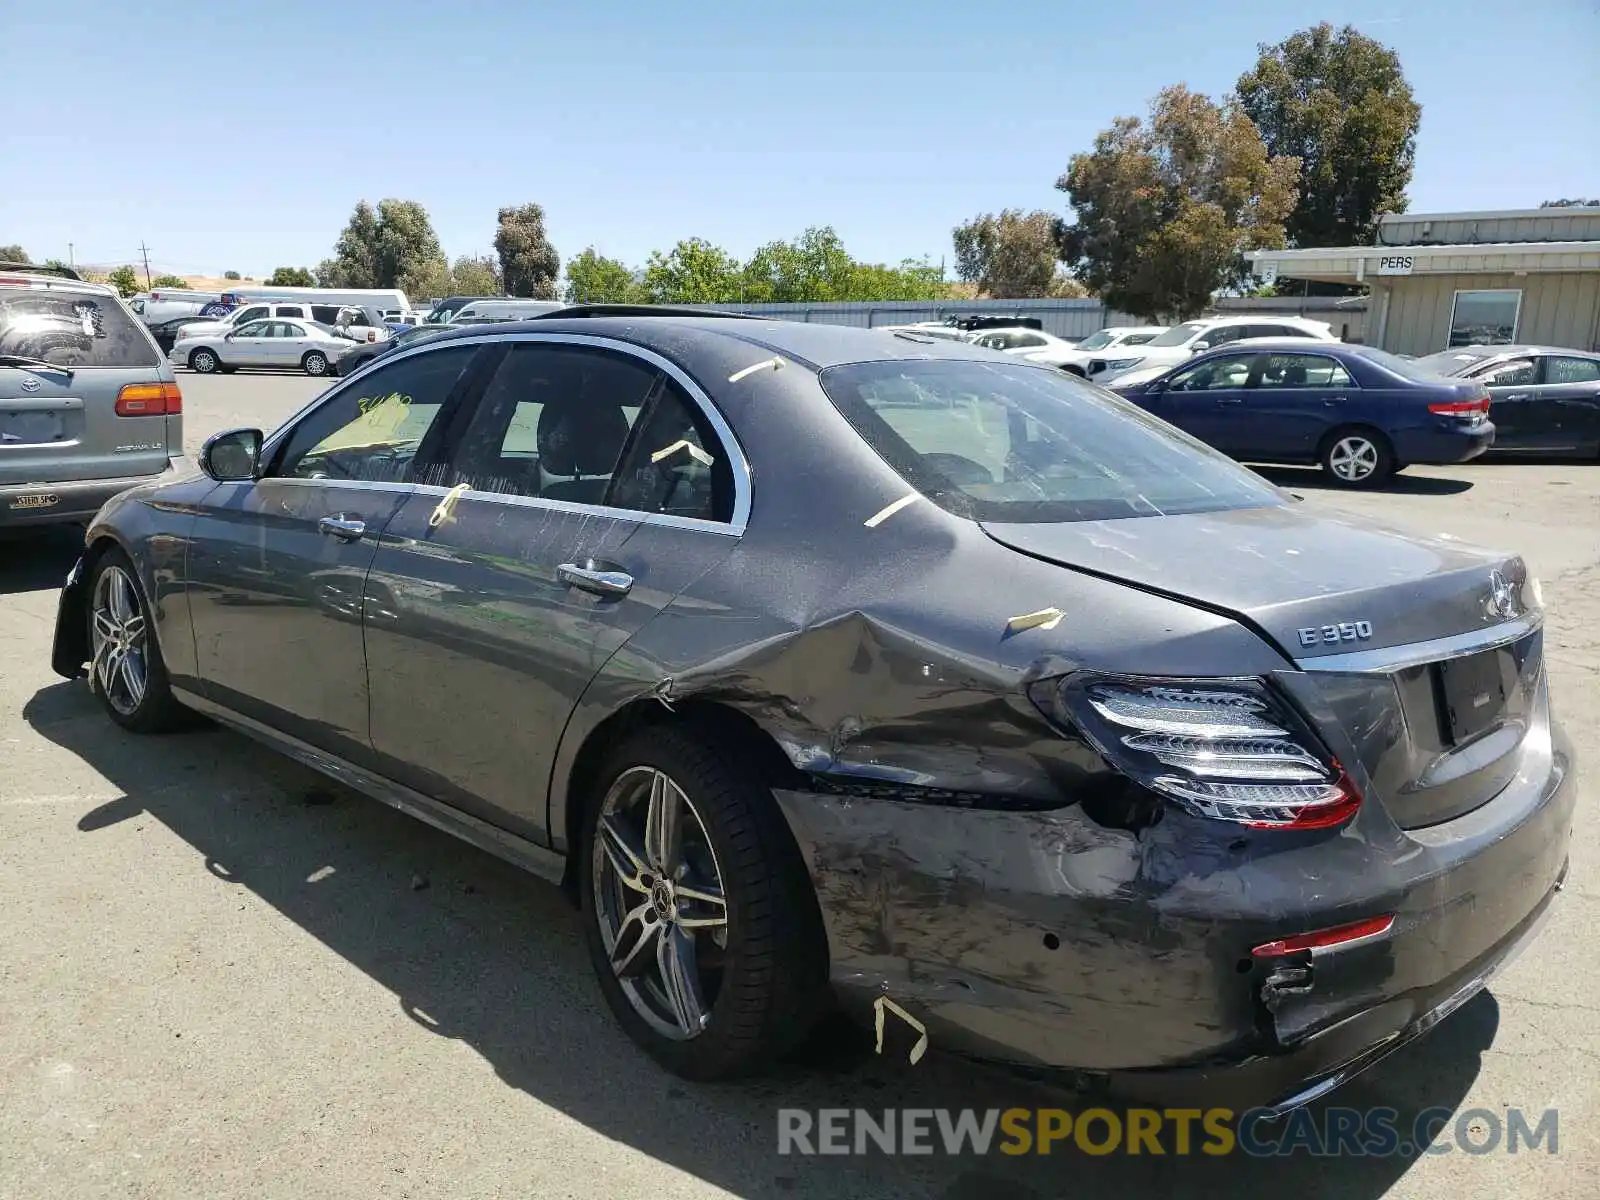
<point x="149" y="400"/>
<point x="1228" y="750"/>
<point x="1477" y="406"/>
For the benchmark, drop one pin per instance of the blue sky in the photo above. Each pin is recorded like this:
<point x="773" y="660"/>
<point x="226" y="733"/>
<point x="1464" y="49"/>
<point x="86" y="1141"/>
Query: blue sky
<point x="240" y="135"/>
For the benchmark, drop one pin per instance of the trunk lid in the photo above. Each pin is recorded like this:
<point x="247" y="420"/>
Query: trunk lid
<point x="1438" y="727"/>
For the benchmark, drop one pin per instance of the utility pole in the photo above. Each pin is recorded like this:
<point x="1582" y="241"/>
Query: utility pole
<point x="70" y="263"/>
<point x="145" y="250"/>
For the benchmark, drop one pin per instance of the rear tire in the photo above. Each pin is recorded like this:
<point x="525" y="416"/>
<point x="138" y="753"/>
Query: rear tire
<point x="204" y="362"/>
<point x="315" y="362"/>
<point x="126" y="671"/>
<point x="707" y="999"/>
<point x="1357" y="457"/>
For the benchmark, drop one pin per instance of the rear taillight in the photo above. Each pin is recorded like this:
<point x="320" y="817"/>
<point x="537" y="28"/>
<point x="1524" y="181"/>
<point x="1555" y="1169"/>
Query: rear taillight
<point x="1229" y="750"/>
<point x="1477" y="406"/>
<point x="149" y="400"/>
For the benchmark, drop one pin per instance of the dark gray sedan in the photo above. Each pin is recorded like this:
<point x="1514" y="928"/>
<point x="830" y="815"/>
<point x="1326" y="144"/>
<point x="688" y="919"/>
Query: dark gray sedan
<point x="830" y="667"/>
<point x="1543" y="399"/>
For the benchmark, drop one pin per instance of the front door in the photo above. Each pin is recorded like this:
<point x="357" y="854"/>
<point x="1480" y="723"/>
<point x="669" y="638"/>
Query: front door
<point x="489" y="611"/>
<point x="1207" y="400"/>
<point x="1294" y="400"/>
<point x="276" y="567"/>
<point x="248" y="346"/>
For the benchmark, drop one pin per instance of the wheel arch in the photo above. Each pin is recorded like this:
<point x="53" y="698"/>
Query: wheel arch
<point x="726" y="727"/>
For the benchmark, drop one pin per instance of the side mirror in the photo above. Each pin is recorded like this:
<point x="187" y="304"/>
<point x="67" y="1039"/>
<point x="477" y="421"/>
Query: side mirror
<point x="233" y="456"/>
<point x="1196" y="347"/>
<point x="1155" y="387"/>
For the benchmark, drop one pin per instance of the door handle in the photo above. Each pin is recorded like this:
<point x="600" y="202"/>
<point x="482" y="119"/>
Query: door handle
<point x="1518" y="396"/>
<point x="1226" y="400"/>
<point x="598" y="580"/>
<point x="346" y="529"/>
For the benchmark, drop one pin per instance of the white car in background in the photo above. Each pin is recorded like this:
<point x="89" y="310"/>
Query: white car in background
<point x="284" y="344"/>
<point x="1032" y="344"/>
<point x="1179" y="342"/>
<point x="1076" y="359"/>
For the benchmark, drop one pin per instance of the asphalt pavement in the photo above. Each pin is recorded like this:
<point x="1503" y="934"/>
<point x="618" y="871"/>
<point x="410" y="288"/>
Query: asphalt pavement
<point x="222" y="976"/>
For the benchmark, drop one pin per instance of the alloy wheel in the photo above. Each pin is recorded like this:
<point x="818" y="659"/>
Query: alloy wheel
<point x="1353" y="458"/>
<point x="659" y="902"/>
<point x="204" y="362"/>
<point x="118" y="634"/>
<point x="315" y="364"/>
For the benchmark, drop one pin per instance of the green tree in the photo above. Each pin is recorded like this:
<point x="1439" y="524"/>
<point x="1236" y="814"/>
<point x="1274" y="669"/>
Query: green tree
<point x="692" y="272"/>
<point x="592" y="278"/>
<point x="475" y="275"/>
<point x="813" y="267"/>
<point x="230" y="275"/>
<point x="1339" y="102"/>
<point x="169" y="281"/>
<point x="14" y="253"/>
<point x="529" y="264"/>
<point x="913" y="279"/>
<point x="125" y="279"/>
<point x="291" y="277"/>
<point x="1009" y="255"/>
<point x="1542" y="204"/>
<point x="1165" y="210"/>
<point x="392" y="245"/>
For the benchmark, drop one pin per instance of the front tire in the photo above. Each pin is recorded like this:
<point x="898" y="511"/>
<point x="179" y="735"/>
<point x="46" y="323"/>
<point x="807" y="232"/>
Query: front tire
<point x="1357" y="458"/>
<point x="126" y="671"/>
<point x="315" y="362"/>
<point x="204" y="362"/>
<point x="697" y="909"/>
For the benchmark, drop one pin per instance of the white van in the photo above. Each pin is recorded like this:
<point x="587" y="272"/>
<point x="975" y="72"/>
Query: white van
<point x="503" y="310"/>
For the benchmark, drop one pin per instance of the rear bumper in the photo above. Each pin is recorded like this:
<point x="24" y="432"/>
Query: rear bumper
<point x="1047" y="941"/>
<point x="75" y="500"/>
<point x="1443" y="446"/>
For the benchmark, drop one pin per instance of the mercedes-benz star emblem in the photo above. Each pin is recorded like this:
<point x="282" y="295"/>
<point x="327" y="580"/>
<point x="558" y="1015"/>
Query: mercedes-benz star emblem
<point x="1502" y="595"/>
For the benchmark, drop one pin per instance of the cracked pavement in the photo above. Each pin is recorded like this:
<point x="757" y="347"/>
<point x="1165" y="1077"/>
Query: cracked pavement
<point x="218" y="979"/>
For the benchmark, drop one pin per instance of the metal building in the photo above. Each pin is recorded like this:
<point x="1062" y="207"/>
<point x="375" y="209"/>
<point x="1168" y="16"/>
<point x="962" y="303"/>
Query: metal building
<point x="1454" y="279"/>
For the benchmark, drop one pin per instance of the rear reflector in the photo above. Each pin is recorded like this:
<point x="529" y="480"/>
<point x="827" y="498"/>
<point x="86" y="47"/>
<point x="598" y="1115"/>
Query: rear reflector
<point x="149" y="400"/>
<point x="1326" y="939"/>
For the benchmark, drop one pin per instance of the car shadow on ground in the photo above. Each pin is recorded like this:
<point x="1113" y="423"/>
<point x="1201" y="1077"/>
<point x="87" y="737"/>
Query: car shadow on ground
<point x="1297" y="479"/>
<point x="35" y="560"/>
<point x="495" y="958"/>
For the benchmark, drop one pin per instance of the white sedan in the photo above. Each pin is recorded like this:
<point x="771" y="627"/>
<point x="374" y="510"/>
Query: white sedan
<point x="287" y="345"/>
<point x="1076" y="358"/>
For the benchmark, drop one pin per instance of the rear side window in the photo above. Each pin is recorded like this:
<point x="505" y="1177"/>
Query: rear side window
<point x="72" y="329"/>
<point x="1004" y="442"/>
<point x="675" y="464"/>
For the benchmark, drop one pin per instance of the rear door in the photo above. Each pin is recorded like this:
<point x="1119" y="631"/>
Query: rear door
<point x="57" y="426"/>
<point x="1295" y="399"/>
<point x="487" y="616"/>
<point x="1512" y="403"/>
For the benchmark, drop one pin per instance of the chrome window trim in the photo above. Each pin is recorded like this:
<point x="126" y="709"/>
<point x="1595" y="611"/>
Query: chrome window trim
<point x="1416" y="654"/>
<point x="730" y="444"/>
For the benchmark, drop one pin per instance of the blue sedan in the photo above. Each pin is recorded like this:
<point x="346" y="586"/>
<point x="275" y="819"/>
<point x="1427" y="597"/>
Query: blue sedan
<point x="1361" y="413"/>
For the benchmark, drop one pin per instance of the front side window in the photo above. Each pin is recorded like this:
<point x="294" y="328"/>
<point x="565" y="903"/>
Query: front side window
<point x="552" y="422"/>
<point x="1214" y="374"/>
<point x="1486" y="318"/>
<point x="1560" y="369"/>
<point x="252" y="314"/>
<point x="72" y="329"/>
<point x="997" y="441"/>
<point x="1221" y="334"/>
<point x="373" y="429"/>
<point x="1303" y="371"/>
<point x="1136" y="339"/>
<point x="254" y="329"/>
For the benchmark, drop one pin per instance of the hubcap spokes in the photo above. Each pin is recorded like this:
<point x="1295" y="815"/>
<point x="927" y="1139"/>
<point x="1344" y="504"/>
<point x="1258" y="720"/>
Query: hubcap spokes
<point x="1354" y="458"/>
<point x="660" y="903"/>
<point x="117" y="634"/>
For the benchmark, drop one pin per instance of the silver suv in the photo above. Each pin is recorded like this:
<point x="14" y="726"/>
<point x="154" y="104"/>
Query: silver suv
<point x="88" y="405"/>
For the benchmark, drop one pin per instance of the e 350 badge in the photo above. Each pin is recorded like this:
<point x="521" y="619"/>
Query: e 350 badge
<point x="1344" y="631"/>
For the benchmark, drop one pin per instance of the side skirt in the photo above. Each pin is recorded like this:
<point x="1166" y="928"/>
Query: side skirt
<point x="518" y="851"/>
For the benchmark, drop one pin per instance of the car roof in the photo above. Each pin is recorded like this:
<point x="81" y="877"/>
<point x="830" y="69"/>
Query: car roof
<point x="52" y="279"/>
<point x="1484" y="353"/>
<point x="676" y="334"/>
<point x="1269" y="344"/>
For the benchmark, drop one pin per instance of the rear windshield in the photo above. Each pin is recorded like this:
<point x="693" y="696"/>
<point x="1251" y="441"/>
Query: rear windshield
<point x="1004" y="442"/>
<point x="73" y="329"/>
<point x="1177" y="335"/>
<point x="1419" y="370"/>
